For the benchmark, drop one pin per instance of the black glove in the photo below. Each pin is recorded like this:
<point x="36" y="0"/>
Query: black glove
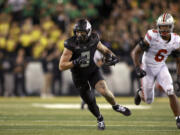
<point x="110" y="60"/>
<point x="140" y="72"/>
<point x="80" y="60"/>
<point x="177" y="84"/>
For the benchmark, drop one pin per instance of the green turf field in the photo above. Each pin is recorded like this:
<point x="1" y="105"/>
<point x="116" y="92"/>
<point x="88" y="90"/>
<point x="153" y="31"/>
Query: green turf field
<point x="26" y="116"/>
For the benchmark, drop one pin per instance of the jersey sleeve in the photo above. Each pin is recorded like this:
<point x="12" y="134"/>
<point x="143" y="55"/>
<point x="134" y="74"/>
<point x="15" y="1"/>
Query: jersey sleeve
<point x="149" y="36"/>
<point x="177" y="46"/>
<point x="68" y="45"/>
<point x="95" y="38"/>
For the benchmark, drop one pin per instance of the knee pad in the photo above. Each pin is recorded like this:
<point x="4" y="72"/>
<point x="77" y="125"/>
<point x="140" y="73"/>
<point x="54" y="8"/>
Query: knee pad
<point x="170" y="92"/>
<point x="149" y="100"/>
<point x="148" y="95"/>
<point x="169" y="89"/>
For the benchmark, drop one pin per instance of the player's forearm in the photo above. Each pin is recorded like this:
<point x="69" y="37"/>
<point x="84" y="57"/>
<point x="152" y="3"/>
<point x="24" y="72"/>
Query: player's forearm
<point x="107" y="51"/>
<point x="135" y="54"/>
<point x="104" y="50"/>
<point x="65" y="65"/>
<point x="135" y="57"/>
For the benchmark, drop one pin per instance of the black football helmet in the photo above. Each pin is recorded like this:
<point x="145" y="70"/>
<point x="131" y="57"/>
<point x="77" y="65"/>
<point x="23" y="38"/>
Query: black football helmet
<point x="83" y="25"/>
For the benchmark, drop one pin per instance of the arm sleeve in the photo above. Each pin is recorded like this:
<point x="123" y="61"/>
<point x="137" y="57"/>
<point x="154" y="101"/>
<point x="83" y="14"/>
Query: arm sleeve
<point x="143" y="45"/>
<point x="177" y="46"/>
<point x="68" y="45"/>
<point x="176" y="53"/>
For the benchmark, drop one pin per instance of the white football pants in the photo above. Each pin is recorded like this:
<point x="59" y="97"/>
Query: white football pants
<point x="161" y="75"/>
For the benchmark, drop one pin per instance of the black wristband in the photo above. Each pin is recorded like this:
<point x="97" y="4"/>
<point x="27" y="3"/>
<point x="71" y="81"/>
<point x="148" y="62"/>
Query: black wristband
<point x="143" y="45"/>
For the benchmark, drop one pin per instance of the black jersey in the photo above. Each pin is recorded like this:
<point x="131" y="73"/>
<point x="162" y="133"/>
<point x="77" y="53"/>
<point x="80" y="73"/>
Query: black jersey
<point x="83" y="49"/>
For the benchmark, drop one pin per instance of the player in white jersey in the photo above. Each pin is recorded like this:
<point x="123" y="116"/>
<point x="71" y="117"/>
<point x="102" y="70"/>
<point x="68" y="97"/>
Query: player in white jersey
<point x="156" y="47"/>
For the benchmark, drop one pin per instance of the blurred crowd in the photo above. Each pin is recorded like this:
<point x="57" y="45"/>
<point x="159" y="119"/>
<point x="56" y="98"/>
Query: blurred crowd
<point x="35" y="30"/>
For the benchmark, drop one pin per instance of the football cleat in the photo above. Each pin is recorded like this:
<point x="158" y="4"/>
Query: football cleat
<point x="178" y="122"/>
<point x="137" y="98"/>
<point x="124" y="110"/>
<point x="100" y="123"/>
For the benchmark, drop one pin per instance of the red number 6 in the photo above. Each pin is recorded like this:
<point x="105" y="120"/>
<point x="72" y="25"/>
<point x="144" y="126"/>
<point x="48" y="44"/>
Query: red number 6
<point x="159" y="57"/>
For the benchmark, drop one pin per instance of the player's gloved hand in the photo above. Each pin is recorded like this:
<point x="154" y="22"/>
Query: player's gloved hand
<point x="80" y="60"/>
<point x="140" y="72"/>
<point x="110" y="60"/>
<point x="177" y="84"/>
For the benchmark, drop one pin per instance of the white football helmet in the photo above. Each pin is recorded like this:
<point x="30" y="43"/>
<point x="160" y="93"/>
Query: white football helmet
<point x="165" y="19"/>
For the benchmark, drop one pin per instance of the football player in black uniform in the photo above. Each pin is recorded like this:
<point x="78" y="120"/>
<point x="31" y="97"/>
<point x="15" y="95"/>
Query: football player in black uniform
<point x="78" y="56"/>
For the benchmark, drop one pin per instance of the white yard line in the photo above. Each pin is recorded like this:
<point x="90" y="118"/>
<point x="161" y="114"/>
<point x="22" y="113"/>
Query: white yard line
<point x="77" y="106"/>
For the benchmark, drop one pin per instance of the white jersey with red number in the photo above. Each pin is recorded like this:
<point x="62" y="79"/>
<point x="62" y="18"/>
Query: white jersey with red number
<point x="153" y="62"/>
<point x="159" y="48"/>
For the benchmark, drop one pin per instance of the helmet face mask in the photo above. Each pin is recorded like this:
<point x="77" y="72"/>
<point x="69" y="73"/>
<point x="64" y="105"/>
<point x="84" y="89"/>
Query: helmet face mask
<point x="81" y="36"/>
<point x="164" y="30"/>
<point x="82" y="30"/>
<point x="165" y="24"/>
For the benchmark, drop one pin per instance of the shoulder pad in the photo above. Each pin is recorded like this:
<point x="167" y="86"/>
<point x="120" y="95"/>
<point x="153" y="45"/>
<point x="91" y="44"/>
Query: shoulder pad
<point x="150" y="34"/>
<point x="69" y="43"/>
<point x="95" y="37"/>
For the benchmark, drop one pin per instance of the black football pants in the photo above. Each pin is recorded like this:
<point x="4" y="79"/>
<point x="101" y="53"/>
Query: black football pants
<point x="89" y="98"/>
<point x="83" y="85"/>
